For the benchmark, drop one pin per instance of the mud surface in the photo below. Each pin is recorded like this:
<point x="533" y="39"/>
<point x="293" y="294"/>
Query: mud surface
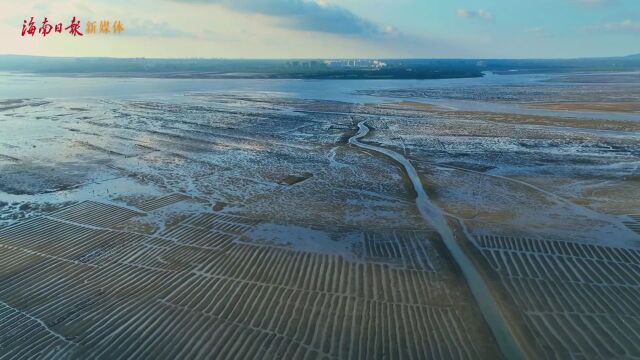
<point x="243" y="223"/>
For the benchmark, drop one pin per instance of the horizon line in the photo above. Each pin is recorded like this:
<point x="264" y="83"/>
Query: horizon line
<point x="319" y="58"/>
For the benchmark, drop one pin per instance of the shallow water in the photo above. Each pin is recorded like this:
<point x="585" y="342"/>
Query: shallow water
<point x="223" y="148"/>
<point x="453" y="93"/>
<point x="436" y="218"/>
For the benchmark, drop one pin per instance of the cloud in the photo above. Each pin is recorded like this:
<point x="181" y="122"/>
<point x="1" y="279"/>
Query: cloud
<point x="152" y="28"/>
<point x="318" y="15"/>
<point x="391" y="30"/>
<point x="475" y="14"/>
<point x="628" y="25"/>
<point x="594" y="2"/>
<point x="538" y="31"/>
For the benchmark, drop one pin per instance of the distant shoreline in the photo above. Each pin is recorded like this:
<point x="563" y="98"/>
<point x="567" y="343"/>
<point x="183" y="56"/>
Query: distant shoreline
<point x="248" y="76"/>
<point x="319" y="69"/>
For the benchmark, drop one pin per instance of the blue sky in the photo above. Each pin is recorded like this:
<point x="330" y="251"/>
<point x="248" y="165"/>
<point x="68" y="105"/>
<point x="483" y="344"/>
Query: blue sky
<point x="334" y="28"/>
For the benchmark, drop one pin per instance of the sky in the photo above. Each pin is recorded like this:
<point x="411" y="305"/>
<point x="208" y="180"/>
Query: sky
<point x="329" y="28"/>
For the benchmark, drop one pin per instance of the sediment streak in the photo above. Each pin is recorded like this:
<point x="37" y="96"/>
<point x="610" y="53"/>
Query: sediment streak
<point x="436" y="218"/>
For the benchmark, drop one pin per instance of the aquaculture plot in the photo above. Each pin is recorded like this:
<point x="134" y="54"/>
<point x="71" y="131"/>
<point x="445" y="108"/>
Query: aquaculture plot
<point x="335" y="307"/>
<point x="332" y="325"/>
<point x="8" y="159"/>
<point x="210" y="230"/>
<point x="24" y="337"/>
<point x="409" y="249"/>
<point x="328" y="273"/>
<point x="82" y="291"/>
<point x="162" y="254"/>
<point x="112" y="147"/>
<point x="635" y="224"/>
<point x="55" y="239"/>
<point x="95" y="214"/>
<point x="577" y="300"/>
<point x="59" y="280"/>
<point x="39" y="297"/>
<point x="219" y="220"/>
<point x="163" y="331"/>
<point x="199" y="237"/>
<point x="157" y="203"/>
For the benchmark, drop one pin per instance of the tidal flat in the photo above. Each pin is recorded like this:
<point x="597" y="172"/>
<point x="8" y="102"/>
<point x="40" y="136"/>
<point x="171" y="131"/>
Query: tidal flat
<point x="287" y="219"/>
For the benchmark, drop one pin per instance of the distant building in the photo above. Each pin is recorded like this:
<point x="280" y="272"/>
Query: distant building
<point x="366" y="64"/>
<point x="311" y="64"/>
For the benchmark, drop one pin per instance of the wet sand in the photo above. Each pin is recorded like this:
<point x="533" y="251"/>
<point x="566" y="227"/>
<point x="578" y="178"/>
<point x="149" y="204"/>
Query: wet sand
<point x="590" y="106"/>
<point x="245" y="224"/>
<point x="414" y="105"/>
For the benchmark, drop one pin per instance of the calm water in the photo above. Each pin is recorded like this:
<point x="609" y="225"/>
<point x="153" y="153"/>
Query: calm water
<point x="20" y="86"/>
<point x="14" y="86"/>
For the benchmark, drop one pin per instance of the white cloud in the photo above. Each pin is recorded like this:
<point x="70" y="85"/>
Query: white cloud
<point x="475" y="14"/>
<point x="305" y="15"/>
<point x="391" y="30"/>
<point x="593" y="2"/>
<point x="622" y="26"/>
<point x="538" y="31"/>
<point x="147" y="27"/>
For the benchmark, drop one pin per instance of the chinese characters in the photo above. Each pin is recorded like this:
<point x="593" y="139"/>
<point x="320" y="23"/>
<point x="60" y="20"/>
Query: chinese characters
<point x="30" y="28"/>
<point x="116" y="27"/>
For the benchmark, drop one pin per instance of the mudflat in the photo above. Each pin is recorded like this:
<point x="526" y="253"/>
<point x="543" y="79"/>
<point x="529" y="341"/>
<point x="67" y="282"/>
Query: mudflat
<point x="249" y="224"/>
<point x="591" y="106"/>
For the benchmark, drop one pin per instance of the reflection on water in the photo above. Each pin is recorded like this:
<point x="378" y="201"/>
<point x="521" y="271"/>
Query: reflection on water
<point x="458" y="94"/>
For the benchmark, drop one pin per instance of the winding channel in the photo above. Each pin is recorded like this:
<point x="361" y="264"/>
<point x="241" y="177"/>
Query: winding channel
<point x="436" y="218"/>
